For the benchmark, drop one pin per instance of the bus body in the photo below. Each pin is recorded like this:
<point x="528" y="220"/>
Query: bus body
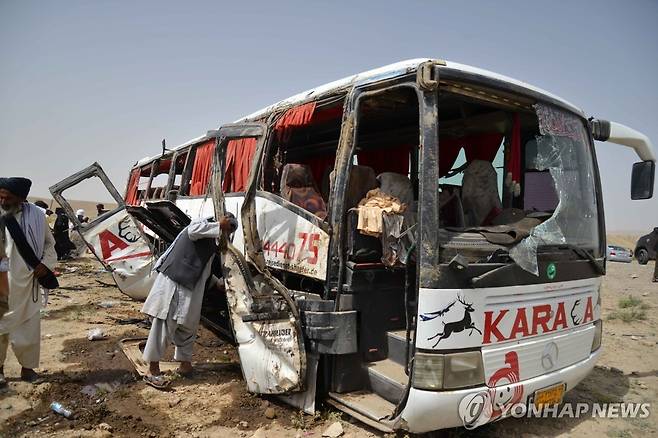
<point x="481" y="292"/>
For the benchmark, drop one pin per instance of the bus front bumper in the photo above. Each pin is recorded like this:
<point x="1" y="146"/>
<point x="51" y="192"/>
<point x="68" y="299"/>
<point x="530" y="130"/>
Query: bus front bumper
<point x="426" y="411"/>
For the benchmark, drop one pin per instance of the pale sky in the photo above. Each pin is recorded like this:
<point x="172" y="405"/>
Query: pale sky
<point x="85" y="81"/>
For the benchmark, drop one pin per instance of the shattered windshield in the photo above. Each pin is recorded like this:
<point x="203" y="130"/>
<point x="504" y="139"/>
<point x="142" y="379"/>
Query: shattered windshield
<point x="562" y="149"/>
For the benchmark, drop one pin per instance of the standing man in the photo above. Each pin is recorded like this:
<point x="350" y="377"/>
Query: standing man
<point x="177" y="294"/>
<point x="21" y="325"/>
<point x="100" y="209"/>
<point x="4" y="290"/>
<point x="63" y="244"/>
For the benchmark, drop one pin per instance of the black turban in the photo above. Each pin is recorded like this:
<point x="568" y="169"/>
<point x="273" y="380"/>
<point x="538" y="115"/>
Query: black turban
<point x="17" y="185"/>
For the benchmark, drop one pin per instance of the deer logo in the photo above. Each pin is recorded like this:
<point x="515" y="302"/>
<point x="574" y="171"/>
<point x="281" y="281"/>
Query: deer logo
<point x="455" y="326"/>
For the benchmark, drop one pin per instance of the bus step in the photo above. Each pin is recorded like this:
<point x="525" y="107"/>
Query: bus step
<point x="364" y="406"/>
<point x="397" y="340"/>
<point x="387" y="379"/>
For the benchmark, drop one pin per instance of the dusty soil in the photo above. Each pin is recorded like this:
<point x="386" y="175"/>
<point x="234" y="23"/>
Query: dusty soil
<point x="96" y="381"/>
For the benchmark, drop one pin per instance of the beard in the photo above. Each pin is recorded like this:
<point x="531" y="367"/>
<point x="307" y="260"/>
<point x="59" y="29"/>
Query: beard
<point x="9" y="209"/>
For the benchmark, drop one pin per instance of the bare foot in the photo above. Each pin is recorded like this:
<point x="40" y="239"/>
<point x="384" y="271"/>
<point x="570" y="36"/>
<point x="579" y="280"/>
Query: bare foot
<point x="185" y="369"/>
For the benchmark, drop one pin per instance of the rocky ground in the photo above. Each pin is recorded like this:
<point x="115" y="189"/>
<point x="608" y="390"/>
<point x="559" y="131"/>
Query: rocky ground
<point x="95" y="380"/>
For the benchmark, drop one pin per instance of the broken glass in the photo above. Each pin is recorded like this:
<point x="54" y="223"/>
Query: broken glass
<point x="563" y="150"/>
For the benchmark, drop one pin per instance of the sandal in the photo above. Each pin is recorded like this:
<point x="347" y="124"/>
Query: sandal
<point x="158" y="382"/>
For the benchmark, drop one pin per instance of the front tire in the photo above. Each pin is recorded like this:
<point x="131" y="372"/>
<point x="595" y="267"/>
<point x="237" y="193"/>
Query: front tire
<point x="642" y="256"/>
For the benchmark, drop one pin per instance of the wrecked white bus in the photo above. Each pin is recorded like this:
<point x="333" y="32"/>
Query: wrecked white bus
<point x="420" y="245"/>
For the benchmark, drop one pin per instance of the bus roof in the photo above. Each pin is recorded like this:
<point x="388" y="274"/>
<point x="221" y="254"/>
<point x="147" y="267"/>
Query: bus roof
<point x="375" y="75"/>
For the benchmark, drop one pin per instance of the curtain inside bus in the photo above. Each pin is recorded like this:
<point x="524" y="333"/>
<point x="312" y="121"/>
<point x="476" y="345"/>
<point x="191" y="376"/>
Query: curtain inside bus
<point x="394" y="159"/>
<point x="131" y="190"/>
<point x="239" y="155"/>
<point x="294" y="117"/>
<point x="202" y="168"/>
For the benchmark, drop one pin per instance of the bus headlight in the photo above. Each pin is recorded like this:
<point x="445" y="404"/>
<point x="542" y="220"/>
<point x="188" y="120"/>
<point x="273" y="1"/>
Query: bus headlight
<point x="598" y="334"/>
<point x="448" y="371"/>
<point x="428" y="371"/>
<point x="463" y="369"/>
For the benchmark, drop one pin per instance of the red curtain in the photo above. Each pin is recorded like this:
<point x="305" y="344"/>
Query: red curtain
<point x="131" y="189"/>
<point x="477" y="147"/>
<point x="318" y="165"/>
<point x="202" y="168"/>
<point x="395" y="159"/>
<point x="294" y="117"/>
<point x="239" y="155"/>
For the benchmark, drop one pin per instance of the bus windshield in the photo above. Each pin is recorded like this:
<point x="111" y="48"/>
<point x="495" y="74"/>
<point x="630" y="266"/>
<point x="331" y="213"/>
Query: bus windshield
<point x="563" y="149"/>
<point x="513" y="181"/>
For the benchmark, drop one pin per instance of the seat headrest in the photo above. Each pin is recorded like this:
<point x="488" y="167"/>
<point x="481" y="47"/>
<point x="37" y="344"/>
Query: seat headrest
<point x="296" y="176"/>
<point x="362" y="180"/>
<point x="398" y="185"/>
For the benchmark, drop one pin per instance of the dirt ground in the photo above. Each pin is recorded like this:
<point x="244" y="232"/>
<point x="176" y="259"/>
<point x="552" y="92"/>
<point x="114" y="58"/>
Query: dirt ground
<point x="96" y="381"/>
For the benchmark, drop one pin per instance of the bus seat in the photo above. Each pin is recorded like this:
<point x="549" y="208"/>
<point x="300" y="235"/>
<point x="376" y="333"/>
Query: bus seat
<point x="451" y="209"/>
<point x="398" y="185"/>
<point x="362" y="180"/>
<point x="480" y="193"/>
<point x="298" y="187"/>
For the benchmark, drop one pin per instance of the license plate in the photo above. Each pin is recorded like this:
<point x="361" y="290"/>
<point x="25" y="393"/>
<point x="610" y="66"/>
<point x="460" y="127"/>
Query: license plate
<point x="549" y="396"/>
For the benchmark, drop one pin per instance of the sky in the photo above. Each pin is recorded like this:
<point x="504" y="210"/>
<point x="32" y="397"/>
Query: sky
<point x="106" y="81"/>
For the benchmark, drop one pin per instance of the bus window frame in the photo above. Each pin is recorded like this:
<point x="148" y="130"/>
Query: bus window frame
<point x="428" y="217"/>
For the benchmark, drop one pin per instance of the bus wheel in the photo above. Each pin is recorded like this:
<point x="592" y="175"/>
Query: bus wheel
<point x="642" y="256"/>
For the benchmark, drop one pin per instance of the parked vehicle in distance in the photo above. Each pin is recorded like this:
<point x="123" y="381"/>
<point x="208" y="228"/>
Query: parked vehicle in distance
<point x="645" y="248"/>
<point x="619" y="254"/>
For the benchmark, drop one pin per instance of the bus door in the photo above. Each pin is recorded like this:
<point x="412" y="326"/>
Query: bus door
<point x="265" y="320"/>
<point x="113" y="237"/>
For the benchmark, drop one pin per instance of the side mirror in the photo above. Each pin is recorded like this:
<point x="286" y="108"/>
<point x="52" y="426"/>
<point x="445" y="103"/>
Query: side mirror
<point x="642" y="179"/>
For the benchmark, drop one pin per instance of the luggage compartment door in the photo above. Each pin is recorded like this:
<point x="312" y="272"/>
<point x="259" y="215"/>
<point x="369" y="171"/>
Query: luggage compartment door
<point x="114" y="237"/>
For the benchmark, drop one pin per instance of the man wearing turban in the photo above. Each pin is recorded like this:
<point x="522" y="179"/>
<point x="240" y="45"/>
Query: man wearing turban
<point x="21" y="325"/>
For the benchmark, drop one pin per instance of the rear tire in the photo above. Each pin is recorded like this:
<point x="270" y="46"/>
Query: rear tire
<point x="642" y="256"/>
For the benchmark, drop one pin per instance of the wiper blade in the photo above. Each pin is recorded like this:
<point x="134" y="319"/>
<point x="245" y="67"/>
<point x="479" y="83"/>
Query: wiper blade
<point x="580" y="252"/>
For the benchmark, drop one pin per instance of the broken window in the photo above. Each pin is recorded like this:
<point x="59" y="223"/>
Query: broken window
<point x="159" y="180"/>
<point x="201" y="169"/>
<point x="301" y="154"/>
<point x="563" y="150"/>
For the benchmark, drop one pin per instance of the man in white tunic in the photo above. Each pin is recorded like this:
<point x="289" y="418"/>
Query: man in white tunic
<point x="21" y="324"/>
<point x="176" y="297"/>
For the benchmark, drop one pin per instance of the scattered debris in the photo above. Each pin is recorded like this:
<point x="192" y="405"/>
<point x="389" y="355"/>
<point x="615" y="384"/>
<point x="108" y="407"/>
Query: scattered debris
<point x="100" y="388"/>
<point x="243" y="424"/>
<point x="102" y="283"/>
<point x="107" y="304"/>
<point x="633" y="275"/>
<point x="58" y="408"/>
<point x="95" y="334"/>
<point x="105" y="426"/>
<point x="333" y="431"/>
<point x="270" y="413"/>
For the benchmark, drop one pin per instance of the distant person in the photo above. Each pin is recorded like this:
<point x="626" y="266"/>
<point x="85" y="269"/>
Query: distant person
<point x="63" y="244"/>
<point x="80" y="214"/>
<point x="48" y="212"/>
<point x="100" y="209"/>
<point x="4" y="290"/>
<point x="655" y="268"/>
<point x="175" y="299"/>
<point x="31" y="250"/>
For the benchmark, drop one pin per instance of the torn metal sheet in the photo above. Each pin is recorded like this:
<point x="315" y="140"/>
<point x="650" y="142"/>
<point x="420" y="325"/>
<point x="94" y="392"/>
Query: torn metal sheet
<point x="270" y="343"/>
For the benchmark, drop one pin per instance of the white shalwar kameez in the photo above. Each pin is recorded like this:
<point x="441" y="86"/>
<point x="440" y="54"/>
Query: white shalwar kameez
<point x="21" y="325"/>
<point x="175" y="309"/>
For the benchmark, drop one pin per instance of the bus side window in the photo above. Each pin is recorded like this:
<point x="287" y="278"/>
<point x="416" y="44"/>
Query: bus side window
<point x="159" y="179"/>
<point x="177" y="171"/>
<point x="200" y="168"/>
<point x="301" y="154"/>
